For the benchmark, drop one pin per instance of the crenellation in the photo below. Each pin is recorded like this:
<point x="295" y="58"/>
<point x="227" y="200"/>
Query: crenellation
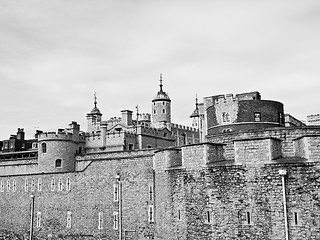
<point x="130" y="179"/>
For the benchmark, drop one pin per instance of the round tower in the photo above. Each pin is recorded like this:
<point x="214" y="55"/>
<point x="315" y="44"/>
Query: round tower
<point x="161" y="107"/>
<point x="56" y="152"/>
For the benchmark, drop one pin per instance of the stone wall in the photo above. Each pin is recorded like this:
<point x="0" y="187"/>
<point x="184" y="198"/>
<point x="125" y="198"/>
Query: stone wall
<point x="84" y="195"/>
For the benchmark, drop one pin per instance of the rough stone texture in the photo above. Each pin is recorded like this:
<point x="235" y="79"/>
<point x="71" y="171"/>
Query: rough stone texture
<point x="91" y="192"/>
<point x="228" y="181"/>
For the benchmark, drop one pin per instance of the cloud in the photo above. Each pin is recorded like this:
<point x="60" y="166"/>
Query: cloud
<point x="56" y="54"/>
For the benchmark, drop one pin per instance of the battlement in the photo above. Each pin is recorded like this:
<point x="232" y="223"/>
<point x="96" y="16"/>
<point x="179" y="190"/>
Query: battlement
<point x="228" y="98"/>
<point x="62" y="136"/>
<point x="145" y="117"/>
<point x="182" y="127"/>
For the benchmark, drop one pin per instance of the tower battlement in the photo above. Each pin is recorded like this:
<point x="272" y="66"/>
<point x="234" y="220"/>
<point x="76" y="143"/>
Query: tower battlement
<point x="47" y="136"/>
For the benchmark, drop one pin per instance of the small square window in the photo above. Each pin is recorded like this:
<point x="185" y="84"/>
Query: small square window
<point x="257" y="117"/>
<point x="58" y="163"/>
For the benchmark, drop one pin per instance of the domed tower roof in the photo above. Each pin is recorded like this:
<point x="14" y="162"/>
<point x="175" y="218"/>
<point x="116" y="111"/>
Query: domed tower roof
<point x="95" y="110"/>
<point x="161" y="95"/>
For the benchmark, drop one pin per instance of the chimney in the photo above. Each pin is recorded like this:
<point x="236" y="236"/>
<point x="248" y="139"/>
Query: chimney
<point x="126" y="117"/>
<point x="20" y="134"/>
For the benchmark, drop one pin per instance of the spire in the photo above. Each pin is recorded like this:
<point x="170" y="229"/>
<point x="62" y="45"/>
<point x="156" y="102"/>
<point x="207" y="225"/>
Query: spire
<point x="95" y="99"/>
<point x="161" y="82"/>
<point x="196" y="111"/>
<point x="95" y="110"/>
<point x="197" y="105"/>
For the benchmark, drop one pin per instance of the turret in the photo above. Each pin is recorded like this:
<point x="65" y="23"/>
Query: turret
<point x="57" y="150"/>
<point x="94" y="118"/>
<point x="161" y="108"/>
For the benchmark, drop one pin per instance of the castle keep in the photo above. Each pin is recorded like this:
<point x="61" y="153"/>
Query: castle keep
<point x="244" y="170"/>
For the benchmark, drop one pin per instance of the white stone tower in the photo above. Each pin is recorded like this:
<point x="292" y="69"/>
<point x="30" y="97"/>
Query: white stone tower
<point x="161" y="109"/>
<point x="94" y="118"/>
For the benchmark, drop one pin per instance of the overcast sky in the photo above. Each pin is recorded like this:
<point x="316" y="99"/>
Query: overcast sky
<point x="54" y="54"/>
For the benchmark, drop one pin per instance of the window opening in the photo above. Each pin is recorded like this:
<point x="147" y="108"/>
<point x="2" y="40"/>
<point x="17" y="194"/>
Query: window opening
<point x="115" y="220"/>
<point x="115" y="192"/>
<point x="151" y="214"/>
<point x="44" y="147"/>
<point x="53" y="184"/>
<point x="257" y="117"/>
<point x="58" y="163"/>
<point x="100" y="221"/>
<point x="39" y="184"/>
<point x="38" y="219"/>
<point x="68" y="219"/>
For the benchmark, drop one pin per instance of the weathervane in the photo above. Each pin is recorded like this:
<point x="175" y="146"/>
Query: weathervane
<point x="95" y="99"/>
<point x="161" y="82"/>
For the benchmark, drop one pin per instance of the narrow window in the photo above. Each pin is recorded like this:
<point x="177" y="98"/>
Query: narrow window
<point x="38" y="219"/>
<point x="163" y="103"/>
<point x="68" y="184"/>
<point x="296" y="218"/>
<point x="53" y="184"/>
<point x="26" y="185"/>
<point x="248" y="218"/>
<point x="14" y="185"/>
<point x="32" y="185"/>
<point x="60" y="185"/>
<point x="163" y="111"/>
<point x="2" y="186"/>
<point x="44" y="147"/>
<point x="225" y="117"/>
<point x="257" y="117"/>
<point x="208" y="216"/>
<point x="130" y="146"/>
<point x="39" y="184"/>
<point x="116" y="192"/>
<point x="58" y="163"/>
<point x="8" y="185"/>
<point x="179" y="215"/>
<point x="154" y="111"/>
<point x="68" y="219"/>
<point x="281" y="118"/>
<point x="151" y="214"/>
<point x="100" y="223"/>
<point x="115" y="220"/>
<point x="150" y="193"/>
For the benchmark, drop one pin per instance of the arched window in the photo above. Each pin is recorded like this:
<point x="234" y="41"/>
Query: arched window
<point x="44" y="147"/>
<point x="58" y="163"/>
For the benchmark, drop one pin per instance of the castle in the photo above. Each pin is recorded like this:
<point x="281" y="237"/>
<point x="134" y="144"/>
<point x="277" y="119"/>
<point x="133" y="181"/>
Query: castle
<point x="244" y="170"/>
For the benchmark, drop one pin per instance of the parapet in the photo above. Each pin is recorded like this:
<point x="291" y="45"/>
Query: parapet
<point x="56" y="136"/>
<point x="145" y="117"/>
<point x="197" y="156"/>
<point x="307" y="147"/>
<point x="189" y="157"/>
<point x="255" y="151"/>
